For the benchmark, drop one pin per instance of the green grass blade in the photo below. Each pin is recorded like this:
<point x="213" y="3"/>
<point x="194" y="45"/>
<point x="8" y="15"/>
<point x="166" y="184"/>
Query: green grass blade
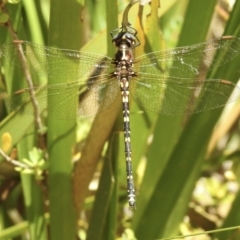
<point x="64" y="33"/>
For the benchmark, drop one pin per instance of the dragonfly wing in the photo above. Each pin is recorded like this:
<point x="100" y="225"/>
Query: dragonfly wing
<point x="90" y="98"/>
<point x="49" y="62"/>
<point x="87" y="76"/>
<point x="191" y="60"/>
<point x="98" y="96"/>
<point x="177" y="96"/>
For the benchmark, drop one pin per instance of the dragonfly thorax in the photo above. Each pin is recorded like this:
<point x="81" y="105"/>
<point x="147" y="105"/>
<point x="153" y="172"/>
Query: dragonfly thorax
<point x="124" y="61"/>
<point x="124" y="53"/>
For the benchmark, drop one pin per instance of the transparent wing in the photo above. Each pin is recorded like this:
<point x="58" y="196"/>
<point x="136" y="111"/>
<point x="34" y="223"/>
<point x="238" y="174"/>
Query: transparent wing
<point x="176" y="96"/>
<point x="52" y="62"/>
<point x="89" y="76"/>
<point x="97" y="95"/>
<point x="191" y="60"/>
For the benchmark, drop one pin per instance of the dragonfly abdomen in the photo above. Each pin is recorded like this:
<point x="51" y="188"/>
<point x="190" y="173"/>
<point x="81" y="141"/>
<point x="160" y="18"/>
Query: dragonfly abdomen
<point x="124" y="87"/>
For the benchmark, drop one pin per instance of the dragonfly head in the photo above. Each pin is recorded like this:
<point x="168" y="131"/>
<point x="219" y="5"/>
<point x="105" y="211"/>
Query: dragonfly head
<point x="127" y="35"/>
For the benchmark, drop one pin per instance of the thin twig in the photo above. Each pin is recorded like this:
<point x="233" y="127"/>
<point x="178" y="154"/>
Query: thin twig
<point x="13" y="161"/>
<point x="28" y="77"/>
<point x="26" y="72"/>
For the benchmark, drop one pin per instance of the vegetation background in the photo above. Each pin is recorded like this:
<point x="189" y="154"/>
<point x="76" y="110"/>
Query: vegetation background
<point x="186" y="169"/>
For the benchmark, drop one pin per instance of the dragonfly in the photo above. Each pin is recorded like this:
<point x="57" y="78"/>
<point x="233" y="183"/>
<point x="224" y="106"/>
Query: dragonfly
<point x="165" y="82"/>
